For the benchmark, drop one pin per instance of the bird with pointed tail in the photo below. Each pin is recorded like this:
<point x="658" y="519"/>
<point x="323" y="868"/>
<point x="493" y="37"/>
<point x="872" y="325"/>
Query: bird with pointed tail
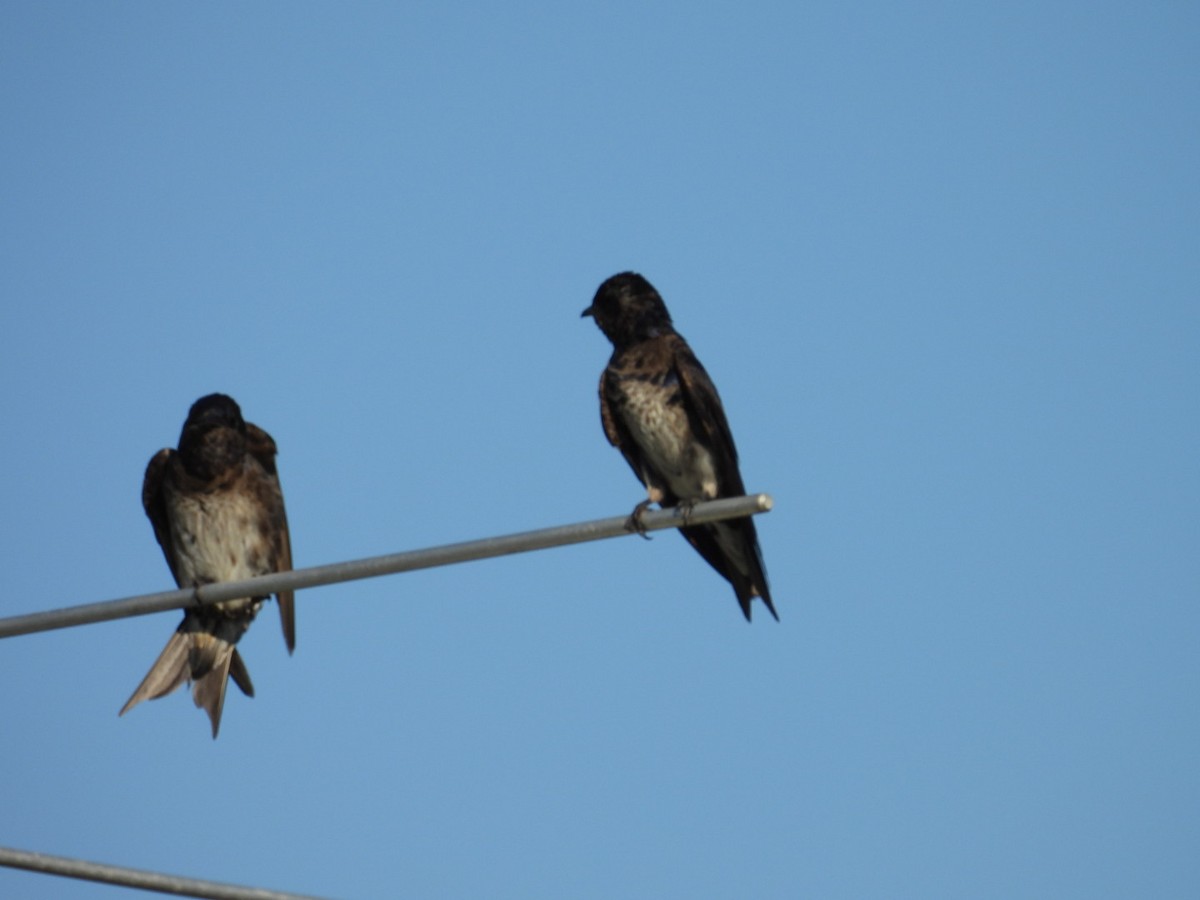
<point x="217" y="511"/>
<point x="661" y="410"/>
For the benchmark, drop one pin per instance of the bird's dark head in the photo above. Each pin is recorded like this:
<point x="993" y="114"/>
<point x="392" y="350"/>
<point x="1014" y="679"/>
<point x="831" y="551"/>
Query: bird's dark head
<point x="628" y="309"/>
<point x="214" y="411"/>
<point x="213" y="437"/>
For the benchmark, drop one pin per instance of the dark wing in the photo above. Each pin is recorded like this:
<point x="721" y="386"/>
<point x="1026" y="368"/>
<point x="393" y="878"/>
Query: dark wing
<point x="615" y="430"/>
<point x="707" y="417"/>
<point x="261" y="446"/>
<point x="155" y="504"/>
<point x="730" y="547"/>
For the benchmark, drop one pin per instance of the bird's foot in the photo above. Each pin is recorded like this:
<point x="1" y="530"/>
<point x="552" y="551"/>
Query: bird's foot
<point x="634" y="523"/>
<point x="684" y="511"/>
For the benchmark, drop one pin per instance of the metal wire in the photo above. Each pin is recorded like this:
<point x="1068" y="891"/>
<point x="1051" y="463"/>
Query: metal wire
<point x="137" y="878"/>
<point x="371" y="567"/>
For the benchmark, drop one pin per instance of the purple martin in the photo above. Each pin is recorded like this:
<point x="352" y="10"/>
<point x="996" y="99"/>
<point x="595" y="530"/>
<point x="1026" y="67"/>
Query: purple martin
<point x="217" y="511"/>
<point x="661" y="410"/>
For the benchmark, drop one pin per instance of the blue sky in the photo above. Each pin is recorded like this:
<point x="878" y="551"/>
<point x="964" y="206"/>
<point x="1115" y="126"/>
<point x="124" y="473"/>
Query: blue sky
<point x="943" y="262"/>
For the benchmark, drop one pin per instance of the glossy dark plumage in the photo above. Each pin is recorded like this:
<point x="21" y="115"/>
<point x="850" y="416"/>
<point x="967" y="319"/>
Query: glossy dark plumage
<point x="662" y="411"/>
<point x="217" y="511"/>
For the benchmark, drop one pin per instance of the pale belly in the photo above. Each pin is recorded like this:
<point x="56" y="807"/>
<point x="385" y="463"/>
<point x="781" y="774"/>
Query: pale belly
<point x="665" y="435"/>
<point x="217" y="538"/>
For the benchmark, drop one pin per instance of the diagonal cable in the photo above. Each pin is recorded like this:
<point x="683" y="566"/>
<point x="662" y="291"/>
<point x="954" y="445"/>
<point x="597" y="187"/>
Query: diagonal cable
<point x="374" y="566"/>
<point x="142" y="879"/>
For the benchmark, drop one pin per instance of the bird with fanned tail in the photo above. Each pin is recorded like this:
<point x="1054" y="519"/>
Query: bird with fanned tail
<point x="217" y="512"/>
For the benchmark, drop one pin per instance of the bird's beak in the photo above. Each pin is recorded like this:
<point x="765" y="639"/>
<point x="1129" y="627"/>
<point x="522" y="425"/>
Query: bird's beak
<point x="590" y="311"/>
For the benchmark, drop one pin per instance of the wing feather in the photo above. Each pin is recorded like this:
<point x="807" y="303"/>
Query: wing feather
<point x="155" y="503"/>
<point x="707" y="417"/>
<point x="262" y="447"/>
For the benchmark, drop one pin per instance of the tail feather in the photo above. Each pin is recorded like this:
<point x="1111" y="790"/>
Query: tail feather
<point x="240" y="675"/>
<point x="766" y="598"/>
<point x="169" y="671"/>
<point x="731" y="547"/>
<point x="210" y="668"/>
<point x="195" y="656"/>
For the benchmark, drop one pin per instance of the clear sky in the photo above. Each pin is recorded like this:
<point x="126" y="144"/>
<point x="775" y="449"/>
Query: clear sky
<point x="942" y="261"/>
